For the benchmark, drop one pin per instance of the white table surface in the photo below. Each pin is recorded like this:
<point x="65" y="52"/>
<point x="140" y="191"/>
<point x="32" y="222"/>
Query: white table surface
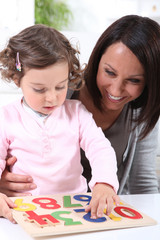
<point x="147" y="203"/>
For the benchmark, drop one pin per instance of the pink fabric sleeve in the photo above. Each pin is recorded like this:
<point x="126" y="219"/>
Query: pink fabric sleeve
<point x="98" y="150"/>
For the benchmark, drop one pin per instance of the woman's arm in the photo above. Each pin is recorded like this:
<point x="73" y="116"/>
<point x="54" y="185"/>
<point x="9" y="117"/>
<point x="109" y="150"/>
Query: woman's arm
<point x="12" y="184"/>
<point x="142" y="178"/>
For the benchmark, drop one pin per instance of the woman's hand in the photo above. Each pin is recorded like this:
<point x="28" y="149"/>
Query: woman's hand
<point x="103" y="197"/>
<point x="12" y="184"/>
<point x="5" y="207"/>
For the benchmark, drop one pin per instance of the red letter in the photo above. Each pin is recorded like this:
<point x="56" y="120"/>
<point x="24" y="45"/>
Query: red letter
<point x="41" y="219"/>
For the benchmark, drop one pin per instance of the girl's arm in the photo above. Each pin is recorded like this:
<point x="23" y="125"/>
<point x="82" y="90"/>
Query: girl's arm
<point x="11" y="184"/>
<point x="104" y="182"/>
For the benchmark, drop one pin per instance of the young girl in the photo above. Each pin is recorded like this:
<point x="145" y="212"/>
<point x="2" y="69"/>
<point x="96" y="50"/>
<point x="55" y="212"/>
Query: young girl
<point x="43" y="130"/>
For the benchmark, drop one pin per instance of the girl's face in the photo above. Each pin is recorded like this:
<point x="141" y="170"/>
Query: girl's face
<point x="120" y="77"/>
<point x="45" y="89"/>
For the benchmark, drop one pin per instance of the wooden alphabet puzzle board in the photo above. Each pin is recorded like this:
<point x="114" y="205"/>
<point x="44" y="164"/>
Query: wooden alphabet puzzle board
<point x="64" y="214"/>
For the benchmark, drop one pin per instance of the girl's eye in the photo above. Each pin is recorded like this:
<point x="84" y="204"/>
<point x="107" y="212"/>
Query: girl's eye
<point x="109" y="72"/>
<point x="60" y="88"/>
<point x="39" y="90"/>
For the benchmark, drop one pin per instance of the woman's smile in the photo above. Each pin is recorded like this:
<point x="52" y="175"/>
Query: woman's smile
<point x="114" y="98"/>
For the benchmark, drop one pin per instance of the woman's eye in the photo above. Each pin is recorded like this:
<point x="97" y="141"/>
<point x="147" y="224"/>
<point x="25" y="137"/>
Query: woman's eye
<point x="39" y="90"/>
<point x="134" y="80"/>
<point x="110" y="72"/>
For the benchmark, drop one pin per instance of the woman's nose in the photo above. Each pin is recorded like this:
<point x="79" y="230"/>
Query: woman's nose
<point x="117" y="87"/>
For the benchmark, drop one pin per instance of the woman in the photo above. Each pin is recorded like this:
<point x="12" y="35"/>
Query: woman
<point x="122" y="91"/>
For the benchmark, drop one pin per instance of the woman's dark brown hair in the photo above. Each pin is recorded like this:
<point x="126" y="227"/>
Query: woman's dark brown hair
<point x="142" y="36"/>
<point x="39" y="46"/>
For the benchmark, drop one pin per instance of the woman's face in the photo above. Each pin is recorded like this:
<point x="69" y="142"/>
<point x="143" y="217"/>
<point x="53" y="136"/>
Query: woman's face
<point x="120" y="77"/>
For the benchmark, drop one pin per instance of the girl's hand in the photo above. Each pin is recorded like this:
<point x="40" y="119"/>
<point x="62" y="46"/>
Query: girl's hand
<point x="103" y="196"/>
<point x="12" y="184"/>
<point x="5" y="205"/>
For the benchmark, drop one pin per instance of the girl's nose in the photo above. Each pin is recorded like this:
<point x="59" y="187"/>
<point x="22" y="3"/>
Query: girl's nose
<point x="51" y="97"/>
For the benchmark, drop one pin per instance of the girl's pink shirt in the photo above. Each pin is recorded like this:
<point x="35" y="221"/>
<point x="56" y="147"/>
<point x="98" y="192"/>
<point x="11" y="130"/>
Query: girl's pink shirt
<point x="50" y="151"/>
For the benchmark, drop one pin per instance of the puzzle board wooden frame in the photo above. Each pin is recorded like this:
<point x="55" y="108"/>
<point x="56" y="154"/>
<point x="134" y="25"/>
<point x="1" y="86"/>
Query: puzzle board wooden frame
<point x="64" y="214"/>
